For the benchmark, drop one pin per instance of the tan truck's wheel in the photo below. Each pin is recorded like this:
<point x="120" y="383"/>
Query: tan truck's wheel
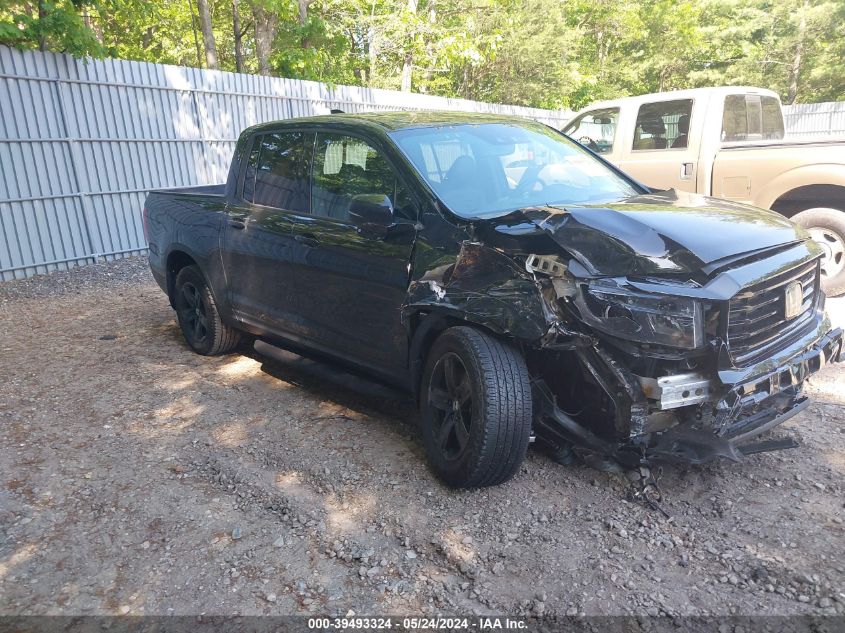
<point x="827" y="228"/>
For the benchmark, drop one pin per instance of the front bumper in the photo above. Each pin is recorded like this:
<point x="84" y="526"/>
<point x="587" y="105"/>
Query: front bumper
<point x="751" y="407"/>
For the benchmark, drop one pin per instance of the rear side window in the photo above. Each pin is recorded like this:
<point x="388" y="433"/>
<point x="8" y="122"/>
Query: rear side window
<point x="663" y="125"/>
<point x="276" y="174"/>
<point x="595" y="130"/>
<point x="345" y="167"/>
<point x="751" y="118"/>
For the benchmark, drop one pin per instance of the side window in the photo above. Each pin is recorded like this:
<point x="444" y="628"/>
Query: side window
<point x="280" y="172"/>
<point x="403" y="204"/>
<point x="345" y="167"/>
<point x="751" y="118"/>
<point x="663" y="125"/>
<point x="734" y="119"/>
<point x="772" y="118"/>
<point x="596" y="129"/>
<point x="249" y="175"/>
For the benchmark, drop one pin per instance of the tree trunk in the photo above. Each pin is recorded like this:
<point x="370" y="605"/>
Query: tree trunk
<point x="265" y="33"/>
<point x="207" y="34"/>
<point x="408" y="62"/>
<point x="147" y="38"/>
<point x="795" y="69"/>
<point x="239" y="44"/>
<point x="196" y="38"/>
<point x="303" y="20"/>
<point x="407" y="70"/>
<point x="372" y="56"/>
<point x="42" y="13"/>
<point x="91" y="25"/>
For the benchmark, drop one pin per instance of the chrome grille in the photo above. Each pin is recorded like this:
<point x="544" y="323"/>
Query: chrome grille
<point x="757" y="320"/>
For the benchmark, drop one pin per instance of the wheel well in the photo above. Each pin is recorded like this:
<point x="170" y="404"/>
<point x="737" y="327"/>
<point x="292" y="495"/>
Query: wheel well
<point x="425" y="328"/>
<point x="808" y="197"/>
<point x="176" y="261"/>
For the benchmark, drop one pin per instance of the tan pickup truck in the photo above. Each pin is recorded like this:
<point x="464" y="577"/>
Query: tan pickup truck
<point x="729" y="143"/>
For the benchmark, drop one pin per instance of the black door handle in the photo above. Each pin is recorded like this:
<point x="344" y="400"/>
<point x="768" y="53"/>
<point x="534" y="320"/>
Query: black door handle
<point x="237" y="224"/>
<point x="306" y="238"/>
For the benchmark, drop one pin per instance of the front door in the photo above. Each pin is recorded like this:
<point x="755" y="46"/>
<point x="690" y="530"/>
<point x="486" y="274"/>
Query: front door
<point x="352" y="279"/>
<point x="661" y="154"/>
<point x="258" y="244"/>
<point x="596" y="130"/>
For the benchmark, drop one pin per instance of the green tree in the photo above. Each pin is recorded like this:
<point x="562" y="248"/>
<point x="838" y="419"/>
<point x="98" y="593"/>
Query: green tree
<point x="57" y="25"/>
<point x="546" y="53"/>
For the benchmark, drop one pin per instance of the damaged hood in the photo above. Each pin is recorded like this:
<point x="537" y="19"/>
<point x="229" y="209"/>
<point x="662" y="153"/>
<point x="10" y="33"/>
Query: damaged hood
<point x="666" y="232"/>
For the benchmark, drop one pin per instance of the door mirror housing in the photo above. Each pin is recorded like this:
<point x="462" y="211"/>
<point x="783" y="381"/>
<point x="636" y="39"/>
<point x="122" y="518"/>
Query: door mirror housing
<point x="371" y="209"/>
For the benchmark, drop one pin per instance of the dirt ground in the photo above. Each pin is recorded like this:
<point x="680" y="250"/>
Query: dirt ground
<point x="139" y="478"/>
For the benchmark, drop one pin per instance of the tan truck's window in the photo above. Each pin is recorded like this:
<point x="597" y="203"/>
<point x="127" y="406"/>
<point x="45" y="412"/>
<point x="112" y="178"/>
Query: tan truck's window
<point x="596" y="129"/>
<point x="751" y="118"/>
<point x="663" y="125"/>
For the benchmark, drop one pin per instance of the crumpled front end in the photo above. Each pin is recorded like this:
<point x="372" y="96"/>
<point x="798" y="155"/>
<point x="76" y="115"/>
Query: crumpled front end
<point x="682" y="357"/>
<point x="744" y="410"/>
<point x="692" y="371"/>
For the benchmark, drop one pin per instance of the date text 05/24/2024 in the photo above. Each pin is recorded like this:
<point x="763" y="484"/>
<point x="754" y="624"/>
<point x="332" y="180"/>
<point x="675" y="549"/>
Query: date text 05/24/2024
<point x="416" y="623"/>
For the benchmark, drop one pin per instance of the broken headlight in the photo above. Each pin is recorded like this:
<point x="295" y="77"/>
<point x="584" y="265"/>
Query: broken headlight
<point x="646" y="318"/>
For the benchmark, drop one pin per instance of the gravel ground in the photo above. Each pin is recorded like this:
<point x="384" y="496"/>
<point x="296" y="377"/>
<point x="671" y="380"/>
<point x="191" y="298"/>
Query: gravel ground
<point x="139" y="478"/>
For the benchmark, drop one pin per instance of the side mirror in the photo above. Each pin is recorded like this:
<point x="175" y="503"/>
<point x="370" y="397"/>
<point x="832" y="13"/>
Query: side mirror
<point x="371" y="209"/>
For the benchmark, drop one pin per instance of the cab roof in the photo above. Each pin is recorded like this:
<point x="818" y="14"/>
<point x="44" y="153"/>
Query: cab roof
<point x="392" y="121"/>
<point x="669" y="95"/>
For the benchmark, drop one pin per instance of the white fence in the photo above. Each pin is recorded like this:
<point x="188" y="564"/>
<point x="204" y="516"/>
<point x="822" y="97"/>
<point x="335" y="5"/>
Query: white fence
<point x="82" y="142"/>
<point x="815" y="119"/>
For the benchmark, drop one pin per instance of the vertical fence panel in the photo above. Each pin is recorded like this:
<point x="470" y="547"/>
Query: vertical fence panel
<point x="815" y="119"/>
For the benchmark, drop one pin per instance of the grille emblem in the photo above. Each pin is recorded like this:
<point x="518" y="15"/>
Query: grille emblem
<point x="793" y="300"/>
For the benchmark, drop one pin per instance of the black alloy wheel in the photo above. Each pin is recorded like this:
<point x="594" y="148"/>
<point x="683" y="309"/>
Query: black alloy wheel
<point x="450" y="397"/>
<point x="198" y="315"/>
<point x="476" y="408"/>
<point x="192" y="314"/>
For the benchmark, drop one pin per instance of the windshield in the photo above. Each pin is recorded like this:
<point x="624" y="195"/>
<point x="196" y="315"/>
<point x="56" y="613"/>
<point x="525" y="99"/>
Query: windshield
<point x="489" y="169"/>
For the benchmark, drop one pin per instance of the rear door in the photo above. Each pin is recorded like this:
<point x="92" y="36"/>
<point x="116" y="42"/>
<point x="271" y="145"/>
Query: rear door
<point x="258" y="245"/>
<point x="662" y="153"/>
<point x="351" y="279"/>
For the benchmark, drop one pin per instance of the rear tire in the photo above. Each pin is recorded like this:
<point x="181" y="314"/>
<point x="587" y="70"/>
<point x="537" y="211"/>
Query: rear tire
<point x="198" y="316"/>
<point x="827" y="228"/>
<point x="476" y="408"/>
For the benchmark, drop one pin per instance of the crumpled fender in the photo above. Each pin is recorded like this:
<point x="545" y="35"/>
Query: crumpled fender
<point x="483" y="286"/>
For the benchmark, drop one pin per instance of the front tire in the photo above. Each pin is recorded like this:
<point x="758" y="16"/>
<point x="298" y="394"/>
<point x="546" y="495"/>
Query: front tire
<point x="476" y="408"/>
<point x="827" y="228"/>
<point x="199" y="317"/>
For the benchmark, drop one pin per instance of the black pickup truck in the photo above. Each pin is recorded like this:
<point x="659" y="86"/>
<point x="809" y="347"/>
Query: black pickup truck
<point x="517" y="284"/>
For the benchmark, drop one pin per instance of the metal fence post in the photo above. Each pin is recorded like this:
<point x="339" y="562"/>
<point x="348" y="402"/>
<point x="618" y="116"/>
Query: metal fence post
<point x="202" y="136"/>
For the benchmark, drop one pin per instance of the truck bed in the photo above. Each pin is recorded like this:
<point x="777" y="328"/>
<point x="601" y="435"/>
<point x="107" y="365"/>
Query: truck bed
<point x="200" y="190"/>
<point x="788" y="141"/>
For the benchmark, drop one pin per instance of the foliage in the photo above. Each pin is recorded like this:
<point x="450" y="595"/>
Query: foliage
<point x="57" y="25"/>
<point x="544" y="53"/>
